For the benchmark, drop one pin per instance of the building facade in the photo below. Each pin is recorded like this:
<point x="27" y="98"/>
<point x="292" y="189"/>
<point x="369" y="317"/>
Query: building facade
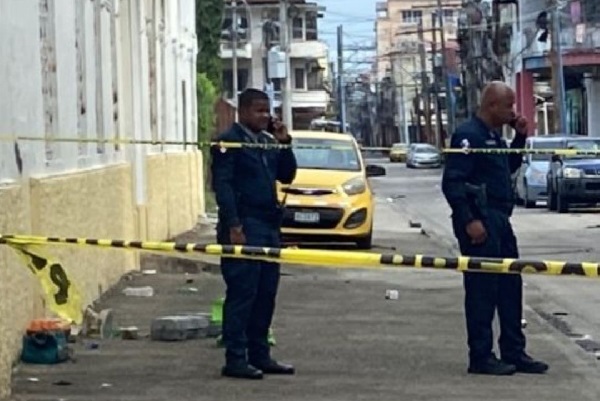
<point x="257" y="33"/>
<point x="92" y="69"/>
<point x="579" y="35"/>
<point x="409" y="50"/>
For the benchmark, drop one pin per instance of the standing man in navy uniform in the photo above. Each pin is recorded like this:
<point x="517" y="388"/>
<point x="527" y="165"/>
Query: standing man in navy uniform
<point x="478" y="188"/>
<point x="244" y="181"/>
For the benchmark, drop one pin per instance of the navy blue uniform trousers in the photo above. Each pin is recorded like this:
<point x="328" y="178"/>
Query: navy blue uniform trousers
<point x="250" y="297"/>
<point x="486" y="292"/>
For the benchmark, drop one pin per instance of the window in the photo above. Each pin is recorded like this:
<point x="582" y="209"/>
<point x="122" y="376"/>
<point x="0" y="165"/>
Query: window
<point x="340" y="155"/>
<point x="298" y="28"/>
<point x="539" y="145"/>
<point x="299" y="79"/>
<point x="228" y="81"/>
<point x="449" y="15"/>
<point x="314" y="80"/>
<point x="585" y="145"/>
<point x="311" y="26"/>
<point x="412" y="16"/>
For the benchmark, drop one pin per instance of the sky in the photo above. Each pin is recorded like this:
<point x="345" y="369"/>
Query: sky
<point x="358" y="20"/>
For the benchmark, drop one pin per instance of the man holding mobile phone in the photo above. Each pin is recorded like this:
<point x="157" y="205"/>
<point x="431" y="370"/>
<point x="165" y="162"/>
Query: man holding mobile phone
<point x="478" y="188"/>
<point x="244" y="181"/>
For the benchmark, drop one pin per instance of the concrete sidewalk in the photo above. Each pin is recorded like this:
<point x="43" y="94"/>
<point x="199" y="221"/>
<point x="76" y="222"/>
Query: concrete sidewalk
<point x="346" y="340"/>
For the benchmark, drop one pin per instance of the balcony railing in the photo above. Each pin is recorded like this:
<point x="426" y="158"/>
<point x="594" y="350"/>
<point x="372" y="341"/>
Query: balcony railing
<point x="573" y="39"/>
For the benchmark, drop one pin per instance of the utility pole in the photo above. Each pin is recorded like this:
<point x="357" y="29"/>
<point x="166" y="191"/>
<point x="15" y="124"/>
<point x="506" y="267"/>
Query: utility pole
<point x="286" y="89"/>
<point x="450" y="117"/>
<point x="399" y="93"/>
<point x="438" y="112"/>
<point x="234" y="58"/>
<point x="425" y="83"/>
<point x="341" y="92"/>
<point x="558" y="84"/>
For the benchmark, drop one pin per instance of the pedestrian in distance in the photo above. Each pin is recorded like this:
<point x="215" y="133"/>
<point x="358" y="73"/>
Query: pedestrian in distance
<point x="244" y="182"/>
<point x="478" y="188"/>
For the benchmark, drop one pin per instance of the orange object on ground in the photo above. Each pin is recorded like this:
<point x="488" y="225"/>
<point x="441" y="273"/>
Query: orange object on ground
<point x="48" y="324"/>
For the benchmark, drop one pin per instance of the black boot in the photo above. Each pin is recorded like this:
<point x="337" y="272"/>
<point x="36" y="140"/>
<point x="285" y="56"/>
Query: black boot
<point x="242" y="372"/>
<point x="526" y="364"/>
<point x="492" y="366"/>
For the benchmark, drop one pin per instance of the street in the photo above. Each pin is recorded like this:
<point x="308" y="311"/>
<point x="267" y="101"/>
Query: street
<point x="347" y="341"/>
<point x="568" y="303"/>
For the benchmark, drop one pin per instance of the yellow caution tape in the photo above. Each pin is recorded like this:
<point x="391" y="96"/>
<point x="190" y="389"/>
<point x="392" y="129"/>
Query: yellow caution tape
<point x="62" y="295"/>
<point x="338" y="259"/>
<point x="238" y="145"/>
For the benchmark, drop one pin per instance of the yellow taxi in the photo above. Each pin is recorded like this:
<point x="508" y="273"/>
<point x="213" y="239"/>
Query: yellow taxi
<point x="398" y="152"/>
<point x="331" y="199"/>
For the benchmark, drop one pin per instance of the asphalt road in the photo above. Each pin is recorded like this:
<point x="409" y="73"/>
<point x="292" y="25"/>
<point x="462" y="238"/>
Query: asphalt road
<point x="571" y="304"/>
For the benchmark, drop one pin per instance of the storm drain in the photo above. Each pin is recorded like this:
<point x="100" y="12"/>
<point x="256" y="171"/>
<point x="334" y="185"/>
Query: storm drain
<point x="584" y="341"/>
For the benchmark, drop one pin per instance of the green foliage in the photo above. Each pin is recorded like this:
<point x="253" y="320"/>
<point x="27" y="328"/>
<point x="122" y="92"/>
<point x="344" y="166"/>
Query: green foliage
<point x="207" y="96"/>
<point x="209" y="17"/>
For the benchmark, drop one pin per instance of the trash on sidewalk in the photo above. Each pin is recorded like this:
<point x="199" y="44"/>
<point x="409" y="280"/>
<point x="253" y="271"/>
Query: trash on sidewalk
<point x="392" y="295"/>
<point x="33" y="380"/>
<point x="149" y="272"/>
<point x="139" y="291"/>
<point x="129" y="333"/>
<point x="178" y="328"/>
<point x="46" y="342"/>
<point x="98" y="323"/>
<point x="188" y="290"/>
<point x="105" y="385"/>
<point x="523" y="323"/>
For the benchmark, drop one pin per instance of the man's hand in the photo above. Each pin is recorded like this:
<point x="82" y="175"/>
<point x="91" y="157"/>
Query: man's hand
<point x="521" y="125"/>
<point x="280" y="131"/>
<point x="236" y="235"/>
<point x="477" y="232"/>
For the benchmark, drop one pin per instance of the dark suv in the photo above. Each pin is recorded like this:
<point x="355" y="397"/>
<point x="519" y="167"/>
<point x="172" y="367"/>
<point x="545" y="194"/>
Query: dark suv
<point x="574" y="178"/>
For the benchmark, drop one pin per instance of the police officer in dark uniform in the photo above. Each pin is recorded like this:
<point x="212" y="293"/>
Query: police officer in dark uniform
<point x="478" y="188"/>
<point x="244" y="181"/>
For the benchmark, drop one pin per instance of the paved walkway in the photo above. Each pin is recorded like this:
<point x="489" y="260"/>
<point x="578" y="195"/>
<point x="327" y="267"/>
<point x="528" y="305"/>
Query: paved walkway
<point x="347" y="341"/>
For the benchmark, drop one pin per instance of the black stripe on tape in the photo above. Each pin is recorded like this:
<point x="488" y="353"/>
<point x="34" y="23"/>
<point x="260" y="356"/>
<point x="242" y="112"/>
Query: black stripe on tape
<point x="53" y="239"/>
<point x="427" y="261"/>
<point x="199" y="248"/>
<point x="69" y="240"/>
<point x="386" y="259"/>
<point x="575" y="269"/>
<point x="91" y="241"/>
<point x="117" y="243"/>
<point x="451" y="263"/>
<point x="519" y="266"/>
<point x="180" y="246"/>
<point x="136" y="244"/>
<point x="228" y="249"/>
<point x="409" y="260"/>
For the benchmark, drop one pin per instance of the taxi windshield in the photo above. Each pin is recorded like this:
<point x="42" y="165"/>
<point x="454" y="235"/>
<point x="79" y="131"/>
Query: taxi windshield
<point x="330" y="154"/>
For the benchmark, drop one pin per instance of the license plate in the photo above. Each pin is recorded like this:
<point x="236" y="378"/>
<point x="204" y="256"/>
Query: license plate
<point x="302" y="217"/>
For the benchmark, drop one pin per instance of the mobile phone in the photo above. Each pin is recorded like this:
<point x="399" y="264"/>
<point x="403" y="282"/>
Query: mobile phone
<point x="271" y="126"/>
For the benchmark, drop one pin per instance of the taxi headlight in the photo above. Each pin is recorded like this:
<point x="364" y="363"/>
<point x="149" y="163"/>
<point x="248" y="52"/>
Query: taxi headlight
<point x="355" y="186"/>
<point x="570" y="172"/>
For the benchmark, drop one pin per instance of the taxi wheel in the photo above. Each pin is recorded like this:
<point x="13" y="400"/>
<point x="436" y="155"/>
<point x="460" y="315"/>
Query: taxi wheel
<point x="365" y="243"/>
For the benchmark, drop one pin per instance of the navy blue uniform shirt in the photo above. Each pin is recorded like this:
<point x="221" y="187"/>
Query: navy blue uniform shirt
<point x="244" y="179"/>
<point x="493" y="170"/>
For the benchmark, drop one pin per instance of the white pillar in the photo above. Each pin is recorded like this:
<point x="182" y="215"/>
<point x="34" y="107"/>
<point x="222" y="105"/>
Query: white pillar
<point x="592" y="87"/>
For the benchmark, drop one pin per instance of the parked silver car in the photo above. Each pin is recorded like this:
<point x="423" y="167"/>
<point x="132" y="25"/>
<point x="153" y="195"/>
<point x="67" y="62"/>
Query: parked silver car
<point x="423" y="155"/>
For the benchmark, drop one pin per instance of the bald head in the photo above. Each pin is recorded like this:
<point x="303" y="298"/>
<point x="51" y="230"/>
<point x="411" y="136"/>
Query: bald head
<point x="497" y="104"/>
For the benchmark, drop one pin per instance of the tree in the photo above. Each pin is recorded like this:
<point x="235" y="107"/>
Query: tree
<point x="209" y="17"/>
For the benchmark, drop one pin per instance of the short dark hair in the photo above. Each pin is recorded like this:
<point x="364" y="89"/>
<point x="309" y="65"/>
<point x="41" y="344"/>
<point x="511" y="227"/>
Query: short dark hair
<point x="248" y="97"/>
